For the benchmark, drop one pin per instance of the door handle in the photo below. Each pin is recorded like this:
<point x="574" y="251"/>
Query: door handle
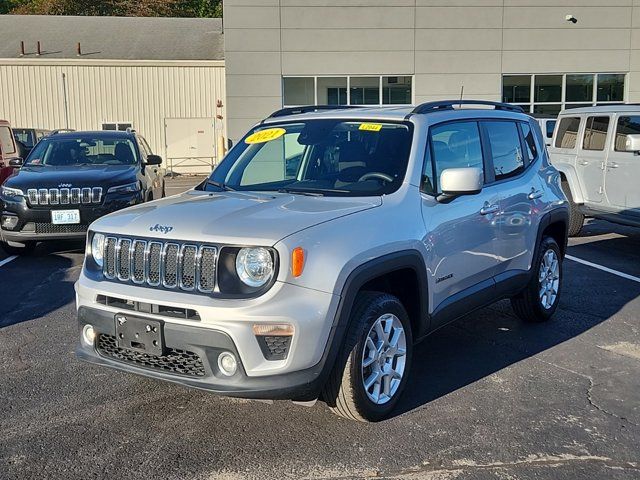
<point x="583" y="162"/>
<point x="488" y="209"/>
<point x="612" y="165"/>
<point x="534" y="194"/>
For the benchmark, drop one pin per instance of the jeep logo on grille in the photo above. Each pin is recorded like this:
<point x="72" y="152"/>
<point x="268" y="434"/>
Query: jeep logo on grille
<point x="161" y="228"/>
<point x="64" y="185"/>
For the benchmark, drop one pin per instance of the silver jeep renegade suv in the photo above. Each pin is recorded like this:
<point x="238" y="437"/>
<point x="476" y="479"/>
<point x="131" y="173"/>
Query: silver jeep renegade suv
<point x="326" y="244"/>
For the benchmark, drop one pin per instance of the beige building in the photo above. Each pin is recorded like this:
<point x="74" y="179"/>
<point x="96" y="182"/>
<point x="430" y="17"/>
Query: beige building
<point x="544" y="55"/>
<point x="163" y="77"/>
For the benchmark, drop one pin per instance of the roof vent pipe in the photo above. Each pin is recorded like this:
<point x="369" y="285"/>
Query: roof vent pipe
<point x="22" y="49"/>
<point x="38" y="51"/>
<point x="78" y="49"/>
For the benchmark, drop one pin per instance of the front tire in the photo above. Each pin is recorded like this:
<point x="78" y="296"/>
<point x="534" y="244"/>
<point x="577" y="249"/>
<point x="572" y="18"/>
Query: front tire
<point x="539" y="300"/>
<point x="372" y="368"/>
<point x="576" y="217"/>
<point x="26" y="249"/>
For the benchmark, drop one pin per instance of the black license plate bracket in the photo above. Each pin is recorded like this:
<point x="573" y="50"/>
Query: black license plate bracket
<point x="139" y="334"/>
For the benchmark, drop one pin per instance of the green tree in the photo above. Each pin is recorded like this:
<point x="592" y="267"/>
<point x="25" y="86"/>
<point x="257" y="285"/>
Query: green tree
<point x="133" y="8"/>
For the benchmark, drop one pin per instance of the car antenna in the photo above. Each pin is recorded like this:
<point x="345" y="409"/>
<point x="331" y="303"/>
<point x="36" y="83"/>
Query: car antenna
<point x="461" y="94"/>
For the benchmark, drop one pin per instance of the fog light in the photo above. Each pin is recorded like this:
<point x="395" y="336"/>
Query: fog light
<point x="9" y="222"/>
<point x="88" y="334"/>
<point x="227" y="364"/>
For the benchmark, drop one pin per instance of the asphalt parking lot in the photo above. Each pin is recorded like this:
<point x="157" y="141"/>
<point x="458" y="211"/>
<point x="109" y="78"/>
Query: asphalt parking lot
<point x="490" y="397"/>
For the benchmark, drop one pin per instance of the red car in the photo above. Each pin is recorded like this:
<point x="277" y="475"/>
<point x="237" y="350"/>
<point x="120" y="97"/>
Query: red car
<point x="9" y="152"/>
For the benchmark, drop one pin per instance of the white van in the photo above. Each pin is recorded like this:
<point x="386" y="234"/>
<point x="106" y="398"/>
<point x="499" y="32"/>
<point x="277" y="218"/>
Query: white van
<point x="596" y="150"/>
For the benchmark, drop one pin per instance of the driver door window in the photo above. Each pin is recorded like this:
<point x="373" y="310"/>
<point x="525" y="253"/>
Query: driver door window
<point x="455" y="145"/>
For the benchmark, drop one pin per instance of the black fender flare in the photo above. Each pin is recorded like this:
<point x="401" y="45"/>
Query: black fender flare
<point x="356" y="280"/>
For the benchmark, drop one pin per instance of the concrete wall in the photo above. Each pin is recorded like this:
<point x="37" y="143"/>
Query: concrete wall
<point x="145" y="93"/>
<point x="444" y="43"/>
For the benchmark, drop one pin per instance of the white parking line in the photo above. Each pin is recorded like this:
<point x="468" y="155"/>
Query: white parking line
<point x="7" y="260"/>
<point x="604" y="269"/>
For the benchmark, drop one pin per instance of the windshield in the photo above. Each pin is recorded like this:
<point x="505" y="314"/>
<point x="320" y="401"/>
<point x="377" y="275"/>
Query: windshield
<point x="324" y="157"/>
<point x="83" y="150"/>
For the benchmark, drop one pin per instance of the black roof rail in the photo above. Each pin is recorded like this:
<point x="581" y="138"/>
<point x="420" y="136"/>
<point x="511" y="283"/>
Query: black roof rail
<point x="308" y="108"/>
<point x="449" y="104"/>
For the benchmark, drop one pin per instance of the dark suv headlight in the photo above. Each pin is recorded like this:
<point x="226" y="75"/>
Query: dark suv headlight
<point x="128" y="188"/>
<point x="13" y="193"/>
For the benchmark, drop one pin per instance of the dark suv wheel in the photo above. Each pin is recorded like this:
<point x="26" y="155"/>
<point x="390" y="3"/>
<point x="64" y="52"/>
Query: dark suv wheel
<point x="378" y="351"/>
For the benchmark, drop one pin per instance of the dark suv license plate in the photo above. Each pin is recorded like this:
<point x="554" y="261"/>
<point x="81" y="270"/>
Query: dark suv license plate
<point x="139" y="334"/>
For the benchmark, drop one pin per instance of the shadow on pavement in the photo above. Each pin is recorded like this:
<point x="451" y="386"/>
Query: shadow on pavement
<point x="37" y="284"/>
<point x="491" y="339"/>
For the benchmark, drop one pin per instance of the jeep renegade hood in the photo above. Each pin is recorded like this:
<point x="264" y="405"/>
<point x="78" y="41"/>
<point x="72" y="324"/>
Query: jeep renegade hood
<point x="72" y="175"/>
<point x="229" y="217"/>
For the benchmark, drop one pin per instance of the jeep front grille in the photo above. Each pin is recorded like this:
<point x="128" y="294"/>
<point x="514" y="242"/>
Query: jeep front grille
<point x="168" y="264"/>
<point x="64" y="196"/>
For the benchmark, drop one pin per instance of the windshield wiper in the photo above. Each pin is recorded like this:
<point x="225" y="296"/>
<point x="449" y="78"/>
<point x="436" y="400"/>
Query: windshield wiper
<point x="314" y="192"/>
<point x="221" y="186"/>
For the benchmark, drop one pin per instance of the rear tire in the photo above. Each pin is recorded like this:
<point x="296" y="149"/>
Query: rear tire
<point x="539" y="300"/>
<point x="576" y="217"/>
<point x="27" y="249"/>
<point x="377" y="352"/>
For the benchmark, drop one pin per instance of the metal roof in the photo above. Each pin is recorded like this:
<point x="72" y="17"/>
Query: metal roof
<point x="602" y="109"/>
<point x="112" y="38"/>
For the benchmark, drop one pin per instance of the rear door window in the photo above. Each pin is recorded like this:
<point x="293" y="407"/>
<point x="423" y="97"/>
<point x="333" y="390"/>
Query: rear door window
<point x="568" y="132"/>
<point x="506" y="149"/>
<point x="6" y="141"/>
<point x="595" y="133"/>
<point x="628" y="125"/>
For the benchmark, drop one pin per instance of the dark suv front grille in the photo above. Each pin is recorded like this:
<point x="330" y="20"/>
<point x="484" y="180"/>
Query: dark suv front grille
<point x="168" y="264"/>
<point x="180" y="362"/>
<point x="52" y="228"/>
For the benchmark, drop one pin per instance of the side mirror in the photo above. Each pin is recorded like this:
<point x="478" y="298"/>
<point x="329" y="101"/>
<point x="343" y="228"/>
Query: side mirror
<point x="455" y="182"/>
<point x="632" y="143"/>
<point x="16" y="162"/>
<point x="154" y="160"/>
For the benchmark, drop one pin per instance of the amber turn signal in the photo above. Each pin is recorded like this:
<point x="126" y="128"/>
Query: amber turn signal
<point x="297" y="261"/>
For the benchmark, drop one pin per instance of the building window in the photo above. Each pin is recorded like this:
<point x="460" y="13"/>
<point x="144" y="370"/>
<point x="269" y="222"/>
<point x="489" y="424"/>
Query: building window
<point x="548" y="94"/>
<point x="121" y="126"/>
<point x="347" y="90"/>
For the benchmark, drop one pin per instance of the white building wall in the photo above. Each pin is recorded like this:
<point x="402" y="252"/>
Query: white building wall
<point x="144" y="93"/>
<point x="444" y="44"/>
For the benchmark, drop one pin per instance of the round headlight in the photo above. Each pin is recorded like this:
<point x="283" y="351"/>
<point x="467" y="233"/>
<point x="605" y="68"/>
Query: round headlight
<point x="97" y="249"/>
<point x="254" y="266"/>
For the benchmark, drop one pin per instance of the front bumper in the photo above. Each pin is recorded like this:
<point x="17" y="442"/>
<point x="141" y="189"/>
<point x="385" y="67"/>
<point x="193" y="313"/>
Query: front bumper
<point x="207" y="344"/>
<point x="34" y="223"/>
<point x="224" y="325"/>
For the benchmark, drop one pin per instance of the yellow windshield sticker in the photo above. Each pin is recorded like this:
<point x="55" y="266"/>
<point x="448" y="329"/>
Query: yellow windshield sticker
<point x="264" y="136"/>
<point x="370" y="127"/>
